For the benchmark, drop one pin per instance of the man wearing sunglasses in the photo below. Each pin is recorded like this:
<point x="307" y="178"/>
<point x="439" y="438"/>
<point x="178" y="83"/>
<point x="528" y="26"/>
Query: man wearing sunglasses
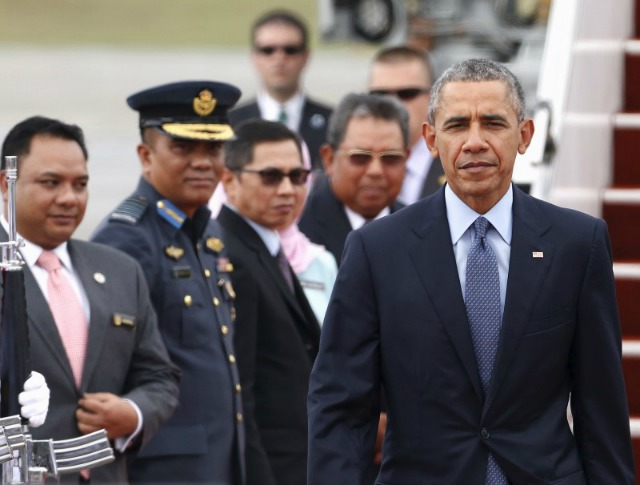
<point x="406" y="72"/>
<point x="277" y="333"/>
<point x="280" y="52"/>
<point x="166" y="226"/>
<point x="364" y="158"/>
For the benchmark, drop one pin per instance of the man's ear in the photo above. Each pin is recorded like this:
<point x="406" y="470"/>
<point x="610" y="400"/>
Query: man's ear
<point x="429" y="135"/>
<point x="327" y="154"/>
<point x="144" y="155"/>
<point x="526" y="134"/>
<point x="3" y="186"/>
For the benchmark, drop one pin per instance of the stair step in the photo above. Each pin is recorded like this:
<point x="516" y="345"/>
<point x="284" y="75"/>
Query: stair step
<point x="631" y="79"/>
<point x="628" y="289"/>
<point x="621" y="210"/>
<point x="626" y="143"/>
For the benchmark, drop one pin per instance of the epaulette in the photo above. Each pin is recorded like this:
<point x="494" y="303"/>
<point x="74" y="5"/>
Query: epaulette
<point x="130" y="210"/>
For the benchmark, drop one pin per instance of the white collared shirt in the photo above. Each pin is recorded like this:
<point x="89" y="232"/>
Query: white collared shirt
<point x="270" y="109"/>
<point x="270" y="238"/>
<point x="357" y="221"/>
<point x="461" y="218"/>
<point x="418" y="165"/>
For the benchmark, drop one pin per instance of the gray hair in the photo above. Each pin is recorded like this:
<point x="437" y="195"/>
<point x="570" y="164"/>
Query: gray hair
<point x="478" y="70"/>
<point x="353" y="105"/>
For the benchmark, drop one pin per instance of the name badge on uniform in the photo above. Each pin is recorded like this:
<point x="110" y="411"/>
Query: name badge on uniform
<point x="123" y="320"/>
<point x="181" y="271"/>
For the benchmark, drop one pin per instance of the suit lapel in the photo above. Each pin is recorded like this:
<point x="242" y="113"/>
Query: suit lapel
<point x="526" y="277"/>
<point x="238" y="226"/>
<point x="86" y="269"/>
<point x="331" y="215"/>
<point x="435" y="262"/>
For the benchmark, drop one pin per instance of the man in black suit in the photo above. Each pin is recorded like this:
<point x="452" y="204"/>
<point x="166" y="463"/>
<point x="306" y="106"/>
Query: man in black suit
<point x="483" y="312"/>
<point x="280" y="51"/>
<point x="406" y="72"/>
<point x="364" y="158"/>
<point x="277" y="334"/>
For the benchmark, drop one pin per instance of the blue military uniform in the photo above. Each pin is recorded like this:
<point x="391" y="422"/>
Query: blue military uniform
<point x="187" y="269"/>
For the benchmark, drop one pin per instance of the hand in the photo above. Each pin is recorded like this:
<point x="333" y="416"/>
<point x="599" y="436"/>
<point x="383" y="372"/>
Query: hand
<point x="105" y="410"/>
<point x="34" y="400"/>
<point x="382" y="427"/>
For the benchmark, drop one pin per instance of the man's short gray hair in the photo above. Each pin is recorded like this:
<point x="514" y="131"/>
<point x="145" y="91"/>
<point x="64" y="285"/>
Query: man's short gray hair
<point x="478" y="70"/>
<point x="366" y="106"/>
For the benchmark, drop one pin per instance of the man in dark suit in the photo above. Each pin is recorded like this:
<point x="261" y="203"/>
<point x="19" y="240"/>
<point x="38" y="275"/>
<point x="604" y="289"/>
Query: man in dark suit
<point x="364" y="158"/>
<point x="277" y="334"/>
<point x="166" y="225"/>
<point x="406" y="72"/>
<point x="118" y="375"/>
<point x="280" y="52"/>
<point x="483" y="312"/>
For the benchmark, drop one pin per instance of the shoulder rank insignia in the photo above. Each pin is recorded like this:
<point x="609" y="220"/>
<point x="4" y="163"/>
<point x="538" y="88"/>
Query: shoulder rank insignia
<point x="174" y="252"/>
<point x="130" y="210"/>
<point x="205" y="103"/>
<point x="170" y="213"/>
<point x="215" y="244"/>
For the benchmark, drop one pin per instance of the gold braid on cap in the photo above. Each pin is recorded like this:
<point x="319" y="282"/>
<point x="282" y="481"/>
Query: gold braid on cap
<point x="199" y="131"/>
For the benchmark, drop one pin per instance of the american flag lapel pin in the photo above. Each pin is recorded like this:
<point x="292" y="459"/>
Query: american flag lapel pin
<point x="537" y="254"/>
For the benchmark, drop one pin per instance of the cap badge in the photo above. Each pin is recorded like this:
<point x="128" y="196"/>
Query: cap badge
<point x="205" y="103"/>
<point x="215" y="244"/>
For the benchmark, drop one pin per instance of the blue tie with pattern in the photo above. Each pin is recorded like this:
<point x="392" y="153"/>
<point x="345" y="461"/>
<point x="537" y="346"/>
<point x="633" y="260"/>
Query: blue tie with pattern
<point x="482" y="299"/>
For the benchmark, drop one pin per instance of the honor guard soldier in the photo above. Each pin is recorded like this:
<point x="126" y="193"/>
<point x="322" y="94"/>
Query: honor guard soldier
<point x="165" y="224"/>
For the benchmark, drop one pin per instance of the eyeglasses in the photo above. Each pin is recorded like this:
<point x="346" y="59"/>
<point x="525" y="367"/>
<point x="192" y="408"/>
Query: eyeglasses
<point x="273" y="177"/>
<point x="289" y="50"/>
<point x="405" y="94"/>
<point x="390" y="158"/>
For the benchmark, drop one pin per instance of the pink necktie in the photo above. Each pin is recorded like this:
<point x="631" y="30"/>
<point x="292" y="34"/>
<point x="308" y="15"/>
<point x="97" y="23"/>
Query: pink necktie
<point x="67" y="313"/>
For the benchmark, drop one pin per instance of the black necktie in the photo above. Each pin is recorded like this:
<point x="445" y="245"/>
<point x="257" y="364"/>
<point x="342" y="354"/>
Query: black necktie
<point x="283" y="264"/>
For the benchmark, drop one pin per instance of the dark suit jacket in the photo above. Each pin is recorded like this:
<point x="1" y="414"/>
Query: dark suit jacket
<point x="312" y="129"/>
<point x="276" y="342"/>
<point x="434" y="179"/>
<point x="324" y="220"/>
<point x="397" y="316"/>
<point x="131" y="362"/>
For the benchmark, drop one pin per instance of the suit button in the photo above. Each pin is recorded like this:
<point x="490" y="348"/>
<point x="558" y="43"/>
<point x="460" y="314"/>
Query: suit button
<point x="239" y="417"/>
<point x="207" y="273"/>
<point x="188" y="300"/>
<point x="216" y="302"/>
<point x="224" y="329"/>
<point x="485" y="433"/>
<point x="238" y="388"/>
<point x="232" y="359"/>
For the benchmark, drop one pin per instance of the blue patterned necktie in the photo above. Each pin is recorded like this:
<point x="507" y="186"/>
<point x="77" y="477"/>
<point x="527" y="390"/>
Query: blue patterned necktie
<point x="482" y="299"/>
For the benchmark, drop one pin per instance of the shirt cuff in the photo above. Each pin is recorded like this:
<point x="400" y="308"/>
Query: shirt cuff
<point x="123" y="442"/>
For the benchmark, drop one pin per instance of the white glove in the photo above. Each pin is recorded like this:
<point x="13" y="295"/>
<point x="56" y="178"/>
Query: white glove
<point x="34" y="400"/>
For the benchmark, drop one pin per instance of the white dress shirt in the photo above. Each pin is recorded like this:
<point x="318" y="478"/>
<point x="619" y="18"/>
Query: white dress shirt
<point x="418" y="165"/>
<point x="270" y="109"/>
<point x="357" y="221"/>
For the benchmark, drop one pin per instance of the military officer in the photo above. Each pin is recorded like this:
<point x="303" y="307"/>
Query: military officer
<point x="165" y="224"/>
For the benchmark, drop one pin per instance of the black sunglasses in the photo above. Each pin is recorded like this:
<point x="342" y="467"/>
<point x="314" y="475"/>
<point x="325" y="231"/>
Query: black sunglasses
<point x="273" y="177"/>
<point x="405" y="94"/>
<point x="290" y="50"/>
<point x="390" y="158"/>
